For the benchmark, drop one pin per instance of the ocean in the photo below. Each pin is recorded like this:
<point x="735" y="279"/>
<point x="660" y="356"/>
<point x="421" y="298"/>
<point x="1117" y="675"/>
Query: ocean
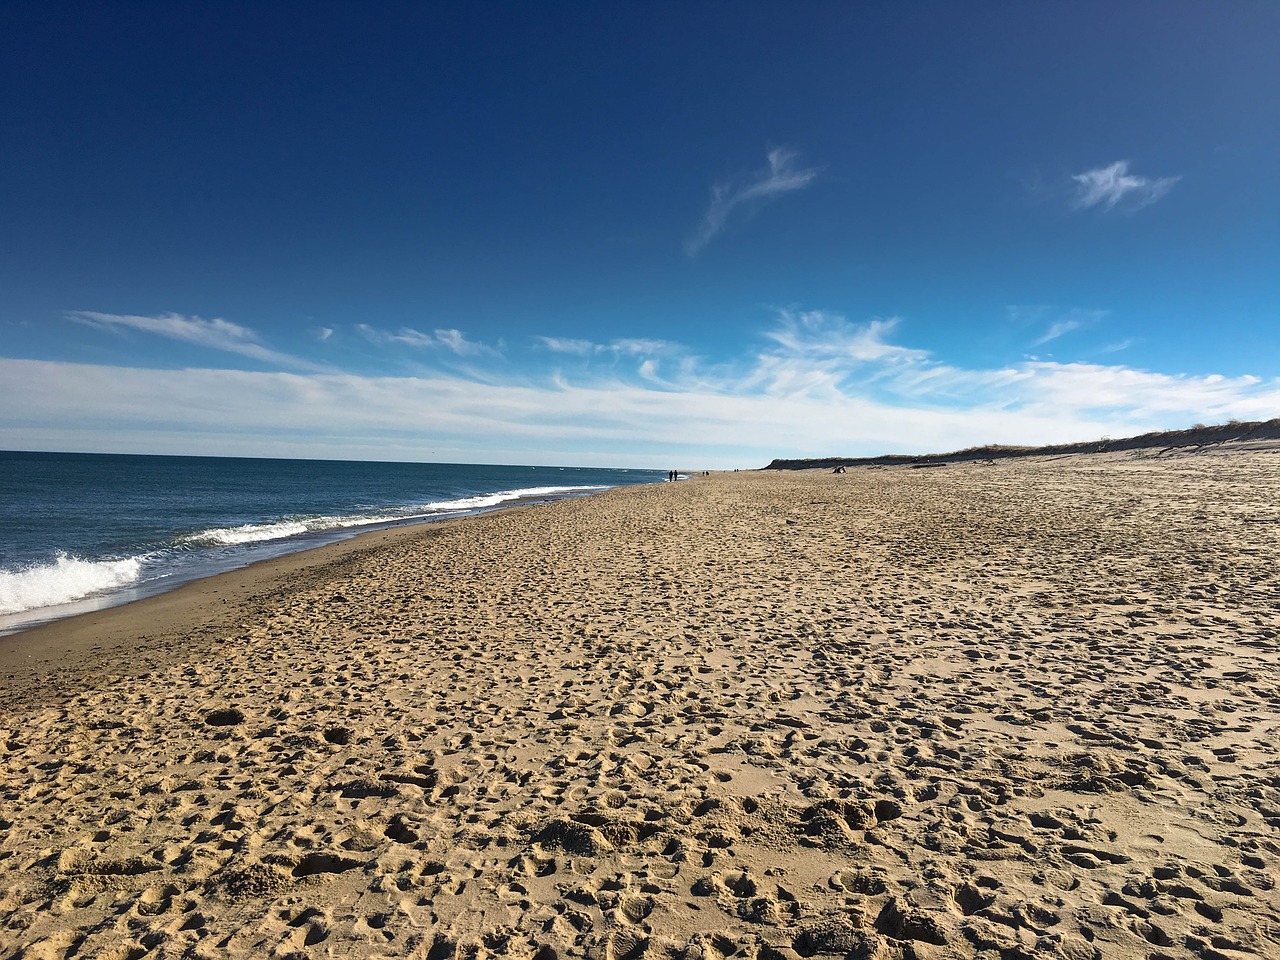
<point x="79" y="532"/>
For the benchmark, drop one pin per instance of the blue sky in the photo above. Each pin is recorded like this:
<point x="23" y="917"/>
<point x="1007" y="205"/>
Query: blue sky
<point x="703" y="234"/>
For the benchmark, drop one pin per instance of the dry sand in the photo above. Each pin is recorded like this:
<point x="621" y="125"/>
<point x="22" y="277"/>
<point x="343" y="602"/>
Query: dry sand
<point x="1029" y="709"/>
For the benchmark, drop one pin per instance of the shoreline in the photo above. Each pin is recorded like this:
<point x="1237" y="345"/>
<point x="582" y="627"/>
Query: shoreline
<point x="285" y="547"/>
<point x="137" y="635"/>
<point x="1029" y="709"/>
<point x="151" y="626"/>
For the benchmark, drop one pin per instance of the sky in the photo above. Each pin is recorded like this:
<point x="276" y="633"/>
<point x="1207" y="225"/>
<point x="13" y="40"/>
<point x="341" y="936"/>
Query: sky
<point x="648" y="234"/>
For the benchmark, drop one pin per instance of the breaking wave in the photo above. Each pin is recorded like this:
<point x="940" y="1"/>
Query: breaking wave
<point x="63" y="580"/>
<point x="279" y="530"/>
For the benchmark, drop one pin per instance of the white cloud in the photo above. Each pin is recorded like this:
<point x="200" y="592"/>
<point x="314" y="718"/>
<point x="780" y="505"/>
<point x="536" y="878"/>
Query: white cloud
<point x="624" y="346"/>
<point x="217" y="334"/>
<point x="1119" y="345"/>
<point x="1067" y="323"/>
<point x="823" y="354"/>
<point x="822" y="386"/>
<point x="1055" y="323"/>
<point x="580" y="348"/>
<point x="779" y="178"/>
<point x="640" y="346"/>
<point x="454" y="340"/>
<point x="1056" y="329"/>
<point x="1112" y="186"/>
<point x="819" y="333"/>
<point x="1147" y="397"/>
<point x="88" y="407"/>
<point x="440" y="339"/>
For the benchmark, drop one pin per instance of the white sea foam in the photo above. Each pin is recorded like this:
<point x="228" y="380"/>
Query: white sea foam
<point x="502" y="496"/>
<point x="248" y="533"/>
<point x="63" y="580"/>
<point x="262" y="532"/>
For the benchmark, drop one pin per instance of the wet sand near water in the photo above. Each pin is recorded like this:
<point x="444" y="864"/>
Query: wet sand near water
<point x="1026" y="709"/>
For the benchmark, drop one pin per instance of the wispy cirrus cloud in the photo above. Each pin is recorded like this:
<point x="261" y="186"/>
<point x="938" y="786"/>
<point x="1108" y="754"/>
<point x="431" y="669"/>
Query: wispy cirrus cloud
<point x="1113" y="186"/>
<point x="817" y="384"/>
<point x="1056" y="329"/>
<point x="648" y="358"/>
<point x="821" y="354"/>
<point x="782" y="176"/>
<point x="1067" y="323"/>
<point x="623" y="346"/>
<point x="217" y="334"/>
<point x="640" y="346"/>
<point x="448" y="339"/>
<point x="821" y="333"/>
<point x="805" y="411"/>
<point x="578" y="348"/>
<point x="816" y="357"/>
<point x="1119" y="345"/>
<point x="1147" y="397"/>
<point x="1053" y="321"/>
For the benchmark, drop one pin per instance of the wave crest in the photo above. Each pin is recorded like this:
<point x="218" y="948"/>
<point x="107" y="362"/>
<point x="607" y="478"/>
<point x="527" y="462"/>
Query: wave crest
<point x="247" y="533"/>
<point x="63" y="580"/>
<point x="502" y="496"/>
<point x="261" y="532"/>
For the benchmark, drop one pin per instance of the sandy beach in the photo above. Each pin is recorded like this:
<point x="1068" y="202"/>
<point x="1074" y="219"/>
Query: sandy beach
<point x="1021" y="709"/>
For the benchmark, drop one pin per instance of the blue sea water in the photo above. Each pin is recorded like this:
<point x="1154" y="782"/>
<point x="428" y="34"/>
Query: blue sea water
<point x="82" y="531"/>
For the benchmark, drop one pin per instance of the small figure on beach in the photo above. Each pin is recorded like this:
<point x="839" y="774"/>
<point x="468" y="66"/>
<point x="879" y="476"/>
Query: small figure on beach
<point x="839" y="469"/>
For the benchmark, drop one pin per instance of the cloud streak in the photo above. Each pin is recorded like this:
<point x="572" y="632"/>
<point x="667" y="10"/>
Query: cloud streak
<point x="449" y="340"/>
<point x="216" y="334"/>
<point x="1056" y="329"/>
<point x="577" y="348"/>
<point x="1068" y="323"/>
<point x="817" y="332"/>
<point x="1113" y="186"/>
<point x="819" y="385"/>
<point x="779" y="178"/>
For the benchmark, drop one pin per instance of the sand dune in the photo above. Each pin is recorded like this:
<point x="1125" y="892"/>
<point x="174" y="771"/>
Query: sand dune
<point x="1029" y="709"/>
